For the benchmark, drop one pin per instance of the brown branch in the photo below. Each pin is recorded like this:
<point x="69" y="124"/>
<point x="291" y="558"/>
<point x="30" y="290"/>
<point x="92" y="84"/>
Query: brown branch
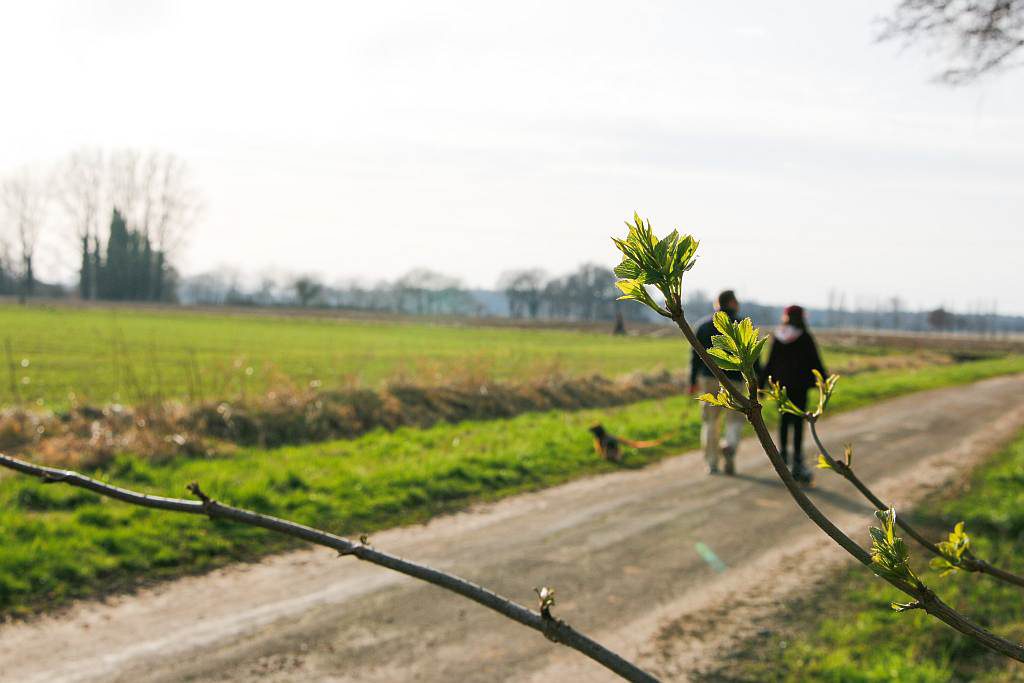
<point x="968" y="562"/>
<point x="551" y="628"/>
<point x="927" y="599"/>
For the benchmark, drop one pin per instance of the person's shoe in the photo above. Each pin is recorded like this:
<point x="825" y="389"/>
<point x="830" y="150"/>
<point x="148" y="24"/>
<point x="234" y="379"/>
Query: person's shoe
<point x="712" y="469"/>
<point x="729" y="456"/>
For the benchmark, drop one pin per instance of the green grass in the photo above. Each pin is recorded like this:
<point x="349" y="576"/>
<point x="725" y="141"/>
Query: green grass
<point x="862" y="640"/>
<point x="127" y="355"/>
<point x="60" y="356"/>
<point x="60" y="542"/>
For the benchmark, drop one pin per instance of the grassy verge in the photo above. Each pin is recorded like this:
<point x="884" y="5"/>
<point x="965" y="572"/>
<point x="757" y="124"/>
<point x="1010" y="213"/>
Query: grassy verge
<point x="861" y="639"/>
<point x="60" y="543"/>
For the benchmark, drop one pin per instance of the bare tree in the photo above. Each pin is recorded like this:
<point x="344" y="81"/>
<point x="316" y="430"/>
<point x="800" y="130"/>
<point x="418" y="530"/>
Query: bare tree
<point x="523" y="290"/>
<point x="896" y="306"/>
<point x="156" y="195"/>
<point x="7" y="284"/>
<point x="79" y="183"/>
<point x="307" y="289"/>
<point x="24" y="200"/>
<point x="980" y="36"/>
<point x="426" y="292"/>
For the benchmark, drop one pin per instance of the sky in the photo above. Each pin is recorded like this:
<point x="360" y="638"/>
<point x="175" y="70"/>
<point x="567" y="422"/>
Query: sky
<point x="362" y="140"/>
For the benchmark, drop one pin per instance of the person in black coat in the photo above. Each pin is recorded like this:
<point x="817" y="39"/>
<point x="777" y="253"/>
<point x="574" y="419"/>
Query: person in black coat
<point x="792" y="358"/>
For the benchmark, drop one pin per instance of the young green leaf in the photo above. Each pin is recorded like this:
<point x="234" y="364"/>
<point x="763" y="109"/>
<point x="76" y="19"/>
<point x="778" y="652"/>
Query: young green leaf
<point x="546" y="598"/>
<point x="777" y="393"/>
<point x="825" y="388"/>
<point x="905" y="606"/>
<point x="723" y="399"/>
<point x="658" y="263"/>
<point x="889" y="555"/>
<point x="952" y="551"/>
<point x="738" y="345"/>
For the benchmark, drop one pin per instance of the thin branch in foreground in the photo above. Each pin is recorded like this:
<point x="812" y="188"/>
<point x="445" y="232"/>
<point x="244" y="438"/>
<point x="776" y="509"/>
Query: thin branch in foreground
<point x="553" y="629"/>
<point x="968" y="562"/>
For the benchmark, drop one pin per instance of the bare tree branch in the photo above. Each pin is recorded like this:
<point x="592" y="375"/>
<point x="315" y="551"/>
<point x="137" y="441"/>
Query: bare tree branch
<point x="154" y="192"/>
<point x="980" y="36"/>
<point x="553" y="629"/>
<point x="79" y="183"/>
<point x="24" y="201"/>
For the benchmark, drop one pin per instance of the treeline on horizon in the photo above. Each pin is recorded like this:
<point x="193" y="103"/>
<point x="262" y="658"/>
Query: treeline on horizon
<point x="124" y="211"/>
<point x="586" y="293"/>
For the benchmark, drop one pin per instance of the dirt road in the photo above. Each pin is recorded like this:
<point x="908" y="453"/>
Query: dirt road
<point x="626" y="552"/>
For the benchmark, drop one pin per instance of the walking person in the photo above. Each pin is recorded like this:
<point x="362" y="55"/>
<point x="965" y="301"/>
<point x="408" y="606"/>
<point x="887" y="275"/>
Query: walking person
<point x="791" y="362"/>
<point x="703" y="381"/>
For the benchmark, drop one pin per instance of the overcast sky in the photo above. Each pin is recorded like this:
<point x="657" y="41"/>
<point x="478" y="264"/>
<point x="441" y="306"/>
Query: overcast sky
<point x="365" y="139"/>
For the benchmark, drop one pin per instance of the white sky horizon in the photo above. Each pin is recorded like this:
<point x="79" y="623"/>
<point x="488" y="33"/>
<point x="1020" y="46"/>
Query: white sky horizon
<point x="362" y="141"/>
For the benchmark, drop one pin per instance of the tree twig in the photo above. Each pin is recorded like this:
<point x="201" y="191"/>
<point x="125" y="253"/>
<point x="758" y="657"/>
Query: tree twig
<point x="551" y="628"/>
<point x="968" y="563"/>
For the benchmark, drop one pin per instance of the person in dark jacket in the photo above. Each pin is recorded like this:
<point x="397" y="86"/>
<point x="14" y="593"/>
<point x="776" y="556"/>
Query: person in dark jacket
<point x="793" y="358"/>
<point x="702" y="380"/>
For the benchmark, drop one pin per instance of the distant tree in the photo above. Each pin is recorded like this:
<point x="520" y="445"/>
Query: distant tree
<point x="556" y="298"/>
<point x="156" y="195"/>
<point x="8" y="276"/>
<point x="940" y="319"/>
<point x="24" y="202"/>
<point x="523" y="290"/>
<point x="591" y="287"/>
<point x="307" y="289"/>
<point x="896" y="305"/>
<point x="266" y="291"/>
<point x="129" y="270"/>
<point x="208" y="289"/>
<point x="585" y="294"/>
<point x="980" y="36"/>
<point x="427" y="292"/>
<point x="114" y="275"/>
<point x="79" y="183"/>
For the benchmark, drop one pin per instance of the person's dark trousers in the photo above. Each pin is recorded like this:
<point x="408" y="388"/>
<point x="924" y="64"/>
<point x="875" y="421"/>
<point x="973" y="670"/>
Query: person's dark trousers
<point x="795" y="424"/>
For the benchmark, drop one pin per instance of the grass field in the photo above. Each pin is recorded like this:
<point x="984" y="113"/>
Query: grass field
<point x="62" y="356"/>
<point x="61" y="542"/>
<point x="855" y="637"/>
<point x="124" y="355"/>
